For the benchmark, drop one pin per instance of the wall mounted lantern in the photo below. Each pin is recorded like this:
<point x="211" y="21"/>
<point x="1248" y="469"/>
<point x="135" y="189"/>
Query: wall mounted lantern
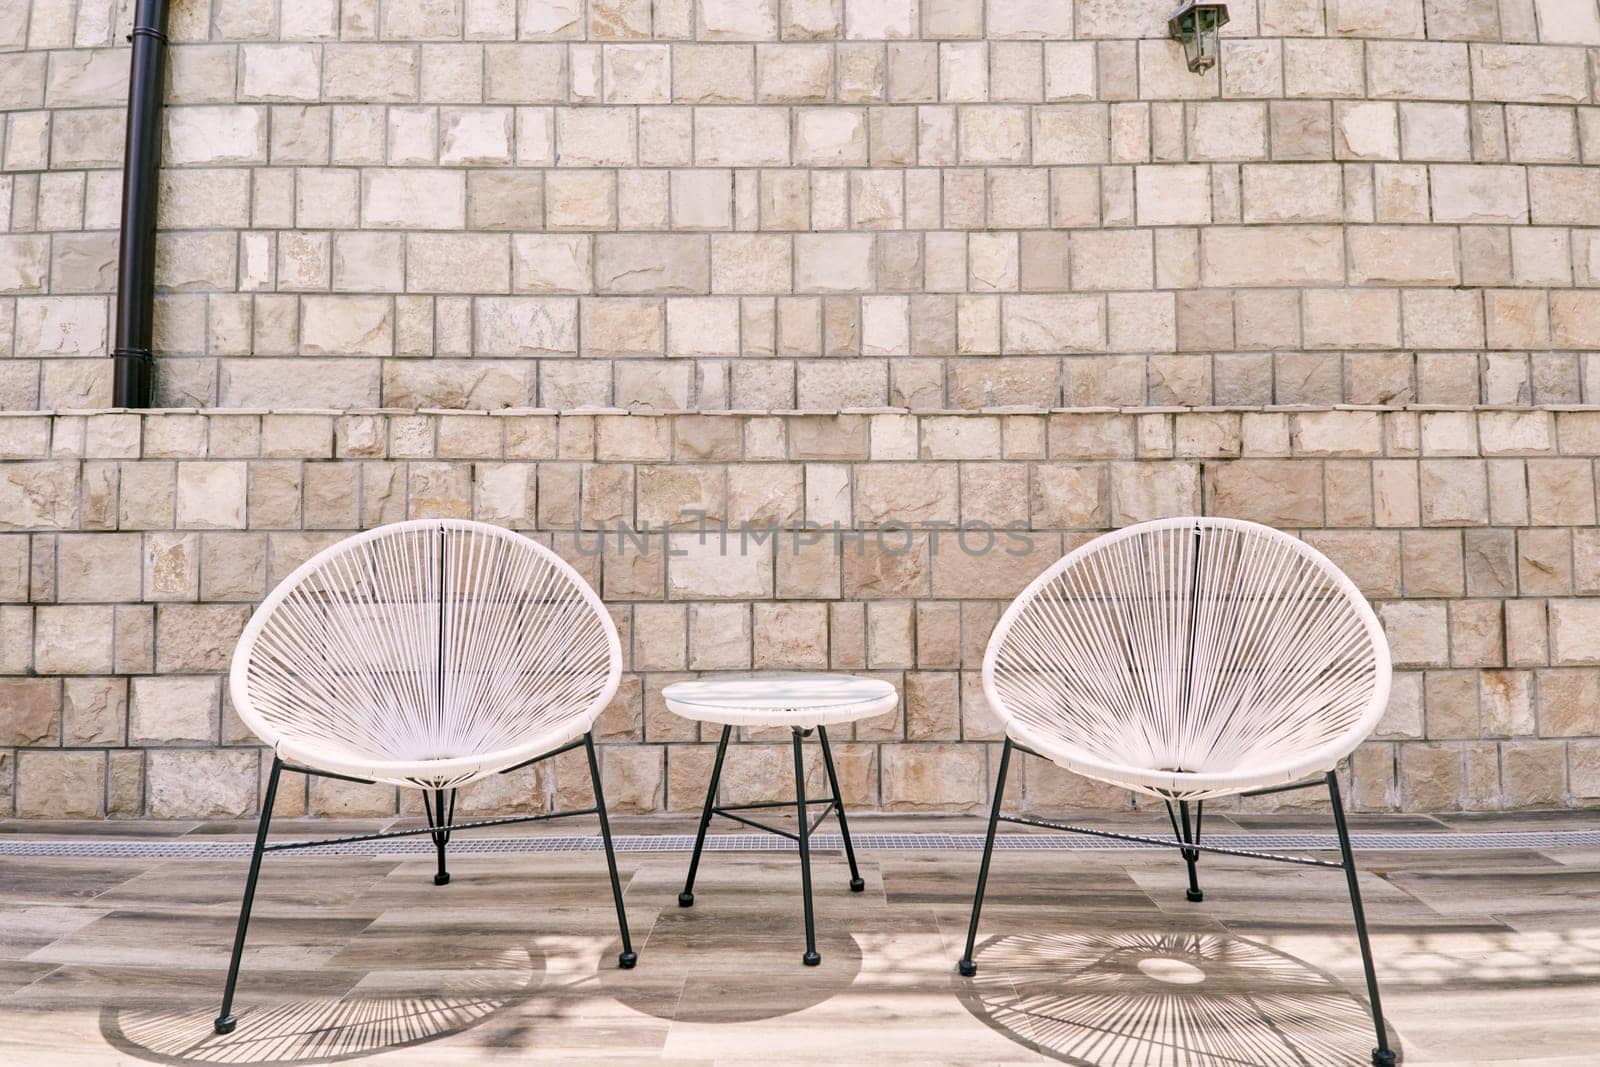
<point x="1197" y="26"/>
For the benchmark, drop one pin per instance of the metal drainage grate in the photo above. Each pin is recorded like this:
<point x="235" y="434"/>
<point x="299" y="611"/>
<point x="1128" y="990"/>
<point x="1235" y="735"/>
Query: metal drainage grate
<point x="936" y="842"/>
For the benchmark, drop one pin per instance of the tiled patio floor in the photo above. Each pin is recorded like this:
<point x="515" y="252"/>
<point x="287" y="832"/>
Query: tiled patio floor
<point x="1086" y="957"/>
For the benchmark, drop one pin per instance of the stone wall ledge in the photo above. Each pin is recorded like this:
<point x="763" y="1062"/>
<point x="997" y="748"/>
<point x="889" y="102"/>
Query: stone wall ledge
<point x="865" y="435"/>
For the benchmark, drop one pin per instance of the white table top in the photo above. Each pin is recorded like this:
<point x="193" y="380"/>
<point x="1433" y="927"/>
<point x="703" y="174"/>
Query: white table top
<point x="778" y="699"/>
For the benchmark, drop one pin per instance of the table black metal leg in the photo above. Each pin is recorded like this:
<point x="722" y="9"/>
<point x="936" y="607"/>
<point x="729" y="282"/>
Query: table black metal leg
<point x="811" y="958"/>
<point x="856" y="884"/>
<point x="686" y="898"/>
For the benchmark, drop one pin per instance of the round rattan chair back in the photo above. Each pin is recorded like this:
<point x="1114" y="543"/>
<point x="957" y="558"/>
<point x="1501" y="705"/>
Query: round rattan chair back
<point x="426" y="653"/>
<point x="1190" y="658"/>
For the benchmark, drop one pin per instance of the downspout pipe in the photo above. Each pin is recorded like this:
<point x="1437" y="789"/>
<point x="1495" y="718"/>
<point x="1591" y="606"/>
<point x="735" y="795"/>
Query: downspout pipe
<point x="141" y="163"/>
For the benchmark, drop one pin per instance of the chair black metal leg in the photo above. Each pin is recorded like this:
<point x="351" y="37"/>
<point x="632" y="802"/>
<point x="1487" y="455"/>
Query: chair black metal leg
<point x="811" y="958"/>
<point x="1382" y="1055"/>
<point x="967" y="967"/>
<point x="439" y="815"/>
<point x="686" y="898"/>
<point x="856" y="884"/>
<point x="225" y="1021"/>
<point x="1190" y="856"/>
<point x="628" y="957"/>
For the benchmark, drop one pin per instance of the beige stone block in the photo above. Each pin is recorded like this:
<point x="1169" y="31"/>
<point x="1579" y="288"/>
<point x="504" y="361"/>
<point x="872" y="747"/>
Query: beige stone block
<point x="72" y="640"/>
<point x="713" y="74"/>
<point x="212" y="135"/>
<point x="1276" y="492"/>
<point x="1384" y="255"/>
<point x="551" y="263"/>
<point x="639" y="263"/>
<point x="347" y="325"/>
<point x="526" y="326"/>
<point x="704" y="326"/>
<point x="197" y="637"/>
<point x="1541" y="135"/>
<point x="1454" y="492"/>
<point x="1561" y="492"/>
<point x="475" y="136"/>
<point x="794" y="73"/>
<point x="525" y="73"/>
<point x="833" y="263"/>
<point x="413" y="199"/>
<point x="1528" y="74"/>
<point x="1173" y="195"/>
<point x="1054" y="323"/>
<point x="280" y="72"/>
<point x="709" y="571"/>
<point x="1365" y="130"/>
<point x="182" y="710"/>
<point x="1113" y="259"/>
<point x="1564" y="195"/>
<point x="993" y="262"/>
<point x="702" y="199"/>
<point x="638" y="74"/>
<point x="792" y="636"/>
<point x="581" y="200"/>
<point x="719" y="637"/>
<point x="1418" y="70"/>
<point x="1163" y="73"/>
<point x="1272" y="256"/>
<point x="94" y="711"/>
<point x="375" y="73"/>
<point x="1568" y="703"/>
<point x="458" y="263"/>
<point x="933" y="777"/>
<point x="1375" y="18"/>
<point x="60" y="785"/>
<point x="33" y="711"/>
<point x="744" y="137"/>
<point x="995" y="133"/>
<point x="201" y="783"/>
<point x="1311" y="192"/>
<point x="1227" y="131"/>
<point x="622" y="327"/>
<point x="98" y="567"/>
<point x="1479" y="194"/>
<point x="1443" y="318"/>
<point x="24" y="263"/>
<point x="1301" y="129"/>
<point x="211" y="495"/>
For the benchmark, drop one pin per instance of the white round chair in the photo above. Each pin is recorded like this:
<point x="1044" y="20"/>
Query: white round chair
<point x="426" y="654"/>
<point x="1191" y="659"/>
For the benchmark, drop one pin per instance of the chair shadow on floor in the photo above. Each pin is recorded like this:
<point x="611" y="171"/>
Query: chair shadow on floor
<point x="768" y="981"/>
<point x="329" y="1030"/>
<point x="1103" y="999"/>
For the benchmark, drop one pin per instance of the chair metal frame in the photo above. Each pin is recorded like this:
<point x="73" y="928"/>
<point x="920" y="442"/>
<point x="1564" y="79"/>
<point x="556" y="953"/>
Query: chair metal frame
<point x="438" y="779"/>
<point x="439" y="829"/>
<point x="1186" y="831"/>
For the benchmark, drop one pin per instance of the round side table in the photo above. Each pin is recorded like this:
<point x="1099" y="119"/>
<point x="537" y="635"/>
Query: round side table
<point x="804" y="703"/>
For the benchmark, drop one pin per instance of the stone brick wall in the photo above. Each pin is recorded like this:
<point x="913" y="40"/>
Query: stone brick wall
<point x="931" y="261"/>
<point x="151" y="538"/>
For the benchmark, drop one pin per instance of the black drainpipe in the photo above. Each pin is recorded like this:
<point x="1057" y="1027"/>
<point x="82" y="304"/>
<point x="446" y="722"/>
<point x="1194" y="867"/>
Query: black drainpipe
<point x="141" y="160"/>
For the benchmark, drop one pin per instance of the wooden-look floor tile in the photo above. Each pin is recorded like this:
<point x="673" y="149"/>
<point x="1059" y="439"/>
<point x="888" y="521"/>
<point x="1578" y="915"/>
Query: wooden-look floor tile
<point x="1084" y="957"/>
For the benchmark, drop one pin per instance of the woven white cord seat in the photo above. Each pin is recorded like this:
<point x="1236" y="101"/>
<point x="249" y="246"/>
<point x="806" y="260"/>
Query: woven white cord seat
<point x="1190" y="659"/>
<point x="426" y="654"/>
